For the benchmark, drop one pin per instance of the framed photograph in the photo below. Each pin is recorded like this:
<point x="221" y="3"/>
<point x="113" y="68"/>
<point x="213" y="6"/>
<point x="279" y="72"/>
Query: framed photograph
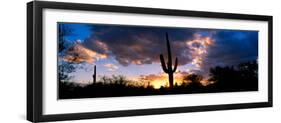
<point x="95" y="61"/>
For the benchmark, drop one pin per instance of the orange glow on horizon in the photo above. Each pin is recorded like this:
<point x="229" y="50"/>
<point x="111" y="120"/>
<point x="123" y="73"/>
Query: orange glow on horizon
<point x="156" y="81"/>
<point x="156" y="84"/>
<point x="165" y="82"/>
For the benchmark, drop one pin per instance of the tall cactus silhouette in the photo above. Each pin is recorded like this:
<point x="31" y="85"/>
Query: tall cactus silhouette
<point x="167" y="68"/>
<point x="94" y="75"/>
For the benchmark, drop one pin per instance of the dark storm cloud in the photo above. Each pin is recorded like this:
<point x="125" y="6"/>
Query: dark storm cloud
<point x="139" y="45"/>
<point x="143" y="45"/>
<point x="232" y="47"/>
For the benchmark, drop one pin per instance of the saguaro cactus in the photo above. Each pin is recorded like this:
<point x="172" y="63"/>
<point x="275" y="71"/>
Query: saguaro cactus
<point x="94" y="75"/>
<point x="167" y="68"/>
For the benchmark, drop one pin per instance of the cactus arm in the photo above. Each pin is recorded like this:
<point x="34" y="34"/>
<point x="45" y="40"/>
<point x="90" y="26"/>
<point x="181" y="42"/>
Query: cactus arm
<point x="163" y="64"/>
<point x="176" y="65"/>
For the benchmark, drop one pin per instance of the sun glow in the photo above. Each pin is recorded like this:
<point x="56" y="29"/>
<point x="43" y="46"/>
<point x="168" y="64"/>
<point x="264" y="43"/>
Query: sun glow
<point x="163" y="81"/>
<point x="156" y="84"/>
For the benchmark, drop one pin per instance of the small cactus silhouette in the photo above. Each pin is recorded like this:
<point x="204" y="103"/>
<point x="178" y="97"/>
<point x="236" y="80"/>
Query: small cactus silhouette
<point x="94" y="75"/>
<point x="168" y="68"/>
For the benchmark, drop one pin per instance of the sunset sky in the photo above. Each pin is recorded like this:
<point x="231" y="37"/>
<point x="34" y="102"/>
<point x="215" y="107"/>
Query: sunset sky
<point x="134" y="51"/>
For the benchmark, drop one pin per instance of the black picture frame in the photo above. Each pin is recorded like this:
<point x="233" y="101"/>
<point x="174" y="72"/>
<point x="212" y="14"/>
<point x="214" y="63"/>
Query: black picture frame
<point x="35" y="69"/>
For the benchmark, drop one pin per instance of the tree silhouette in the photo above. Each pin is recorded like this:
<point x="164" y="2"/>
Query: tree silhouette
<point x="242" y="77"/>
<point x="64" y="68"/>
<point x="249" y="74"/>
<point x="62" y="32"/>
<point x="63" y="71"/>
<point x="194" y="79"/>
<point x="225" y="78"/>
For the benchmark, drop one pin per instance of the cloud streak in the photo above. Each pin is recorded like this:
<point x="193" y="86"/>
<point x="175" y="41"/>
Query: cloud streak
<point x="78" y="54"/>
<point x="111" y="67"/>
